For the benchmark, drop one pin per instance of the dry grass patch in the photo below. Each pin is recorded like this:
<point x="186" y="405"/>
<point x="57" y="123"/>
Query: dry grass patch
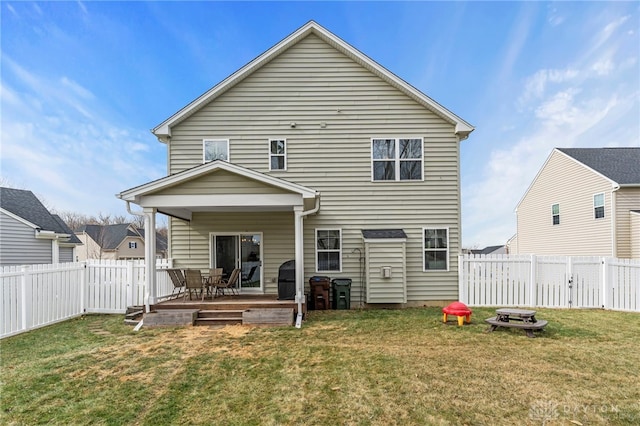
<point x="343" y="367"/>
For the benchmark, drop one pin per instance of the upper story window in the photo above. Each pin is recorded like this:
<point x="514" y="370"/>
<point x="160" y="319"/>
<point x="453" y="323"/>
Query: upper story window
<point x="396" y="159"/>
<point x="598" y="206"/>
<point x="555" y="213"/>
<point x="328" y="250"/>
<point x="277" y="154"/>
<point x="215" y="149"/>
<point x="133" y="245"/>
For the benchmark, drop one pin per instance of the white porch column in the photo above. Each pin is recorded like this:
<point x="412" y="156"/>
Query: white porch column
<point x="150" y="256"/>
<point x="299" y="237"/>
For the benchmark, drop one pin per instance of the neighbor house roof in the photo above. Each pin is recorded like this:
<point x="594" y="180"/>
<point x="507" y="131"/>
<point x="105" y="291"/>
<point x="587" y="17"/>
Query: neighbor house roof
<point x="621" y="165"/>
<point x="109" y="237"/>
<point x="163" y="130"/>
<point x="25" y="205"/>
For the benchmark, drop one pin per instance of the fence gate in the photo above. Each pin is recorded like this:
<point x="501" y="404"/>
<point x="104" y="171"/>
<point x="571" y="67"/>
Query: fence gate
<point x="585" y="285"/>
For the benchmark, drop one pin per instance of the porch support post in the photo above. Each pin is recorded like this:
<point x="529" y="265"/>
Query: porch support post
<point x="299" y="243"/>
<point x="151" y="293"/>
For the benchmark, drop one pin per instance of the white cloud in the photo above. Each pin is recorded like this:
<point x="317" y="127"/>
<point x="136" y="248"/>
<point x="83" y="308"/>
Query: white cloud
<point x="603" y="67"/>
<point x="536" y="85"/>
<point x="58" y="141"/>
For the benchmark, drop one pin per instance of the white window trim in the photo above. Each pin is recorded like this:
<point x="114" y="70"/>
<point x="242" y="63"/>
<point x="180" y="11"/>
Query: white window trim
<point x="278" y="155"/>
<point x="397" y="159"/>
<point x="315" y="243"/>
<point x="204" y="151"/>
<point x="424" y="249"/>
<point x="604" y="204"/>
<point x="552" y="214"/>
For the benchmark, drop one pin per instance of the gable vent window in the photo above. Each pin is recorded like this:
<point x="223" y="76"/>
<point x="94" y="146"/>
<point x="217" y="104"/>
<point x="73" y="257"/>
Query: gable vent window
<point x="277" y="154"/>
<point x="215" y="149"/>
<point x="555" y="212"/>
<point x="133" y="245"/>
<point x="598" y="206"/>
<point x="396" y="159"/>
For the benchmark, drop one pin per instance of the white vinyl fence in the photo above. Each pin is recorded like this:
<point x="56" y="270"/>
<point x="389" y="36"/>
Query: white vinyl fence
<point x="37" y="295"/>
<point x="550" y="281"/>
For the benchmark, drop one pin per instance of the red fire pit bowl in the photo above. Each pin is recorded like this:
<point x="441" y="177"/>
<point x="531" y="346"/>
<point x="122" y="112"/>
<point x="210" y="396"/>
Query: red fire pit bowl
<point x="458" y="309"/>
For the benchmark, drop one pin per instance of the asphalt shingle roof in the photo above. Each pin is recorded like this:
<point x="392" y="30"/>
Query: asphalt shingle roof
<point x="621" y="165"/>
<point x="26" y="205"/>
<point x="383" y="233"/>
<point x="109" y="236"/>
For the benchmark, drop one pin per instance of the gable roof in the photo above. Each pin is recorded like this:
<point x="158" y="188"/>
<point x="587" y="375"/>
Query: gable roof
<point x="109" y="237"/>
<point x="621" y="165"/>
<point x="25" y="205"/>
<point x="203" y="169"/>
<point x="163" y="130"/>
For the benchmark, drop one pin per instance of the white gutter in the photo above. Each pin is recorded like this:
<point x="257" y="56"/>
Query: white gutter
<point x="299" y="217"/>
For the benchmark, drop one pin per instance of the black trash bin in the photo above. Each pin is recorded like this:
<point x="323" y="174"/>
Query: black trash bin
<point x="287" y="281"/>
<point x="319" y="288"/>
<point x="341" y="293"/>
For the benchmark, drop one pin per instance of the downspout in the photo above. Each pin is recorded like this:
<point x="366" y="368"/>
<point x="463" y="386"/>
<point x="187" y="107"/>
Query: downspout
<point x="300" y="255"/>
<point x="614" y="242"/>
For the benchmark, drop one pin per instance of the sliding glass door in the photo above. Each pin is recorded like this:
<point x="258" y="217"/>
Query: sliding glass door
<point x="244" y="251"/>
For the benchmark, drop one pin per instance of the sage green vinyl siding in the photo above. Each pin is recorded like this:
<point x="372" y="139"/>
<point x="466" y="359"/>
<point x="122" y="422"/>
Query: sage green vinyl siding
<point x="338" y="106"/>
<point x="626" y="199"/>
<point x="378" y="288"/>
<point x="221" y="182"/>
<point x="570" y="184"/>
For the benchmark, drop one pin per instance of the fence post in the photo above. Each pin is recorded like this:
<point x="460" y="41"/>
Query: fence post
<point x="26" y="296"/>
<point x="532" y="280"/>
<point x="462" y="294"/>
<point x="605" y="282"/>
<point x="130" y="283"/>
<point x="569" y="276"/>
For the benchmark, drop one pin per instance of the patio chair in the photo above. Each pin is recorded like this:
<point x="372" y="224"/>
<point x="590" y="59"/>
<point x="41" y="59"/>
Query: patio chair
<point x="228" y="284"/>
<point x="194" y="282"/>
<point x="178" y="280"/>
<point x="215" y="276"/>
<point x="249" y="277"/>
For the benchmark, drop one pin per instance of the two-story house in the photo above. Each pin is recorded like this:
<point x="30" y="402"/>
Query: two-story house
<point x="30" y="233"/>
<point x="115" y="242"/>
<point x="583" y="202"/>
<point x="313" y="152"/>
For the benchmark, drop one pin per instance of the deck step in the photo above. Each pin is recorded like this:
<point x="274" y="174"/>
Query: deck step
<point x="219" y="317"/>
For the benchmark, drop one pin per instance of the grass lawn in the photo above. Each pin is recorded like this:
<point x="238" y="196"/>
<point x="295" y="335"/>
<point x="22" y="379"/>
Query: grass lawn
<point x="375" y="367"/>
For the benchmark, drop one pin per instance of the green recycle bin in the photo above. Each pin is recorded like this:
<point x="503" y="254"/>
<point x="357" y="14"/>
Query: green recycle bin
<point x="341" y="293"/>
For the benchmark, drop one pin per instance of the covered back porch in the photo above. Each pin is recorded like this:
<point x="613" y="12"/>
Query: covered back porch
<point x="224" y="215"/>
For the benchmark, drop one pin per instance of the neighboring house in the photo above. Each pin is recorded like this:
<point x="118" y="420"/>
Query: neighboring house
<point x="30" y="234"/>
<point x="584" y="201"/>
<point x="115" y="242"/>
<point x="314" y="152"/>
<point x="489" y="250"/>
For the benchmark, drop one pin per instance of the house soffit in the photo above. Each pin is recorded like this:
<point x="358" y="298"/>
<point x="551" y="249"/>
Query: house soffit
<point x="462" y="128"/>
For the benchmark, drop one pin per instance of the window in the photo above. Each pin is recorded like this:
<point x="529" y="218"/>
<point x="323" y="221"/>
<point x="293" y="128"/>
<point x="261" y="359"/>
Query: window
<point x="215" y="149"/>
<point x="396" y="159"/>
<point x="436" y="249"/>
<point x="133" y="245"/>
<point x="598" y="206"/>
<point x="277" y="154"/>
<point x="555" y="212"/>
<point x="328" y="250"/>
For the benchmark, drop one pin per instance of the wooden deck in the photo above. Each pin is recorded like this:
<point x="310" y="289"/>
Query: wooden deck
<point x="231" y="309"/>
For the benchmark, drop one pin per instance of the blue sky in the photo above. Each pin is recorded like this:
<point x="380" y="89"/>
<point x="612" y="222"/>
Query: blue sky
<point x="83" y="82"/>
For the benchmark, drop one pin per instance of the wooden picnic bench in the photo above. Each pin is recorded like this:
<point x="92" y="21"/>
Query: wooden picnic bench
<point x="516" y="318"/>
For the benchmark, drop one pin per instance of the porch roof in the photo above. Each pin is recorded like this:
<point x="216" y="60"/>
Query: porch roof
<point x="172" y="196"/>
